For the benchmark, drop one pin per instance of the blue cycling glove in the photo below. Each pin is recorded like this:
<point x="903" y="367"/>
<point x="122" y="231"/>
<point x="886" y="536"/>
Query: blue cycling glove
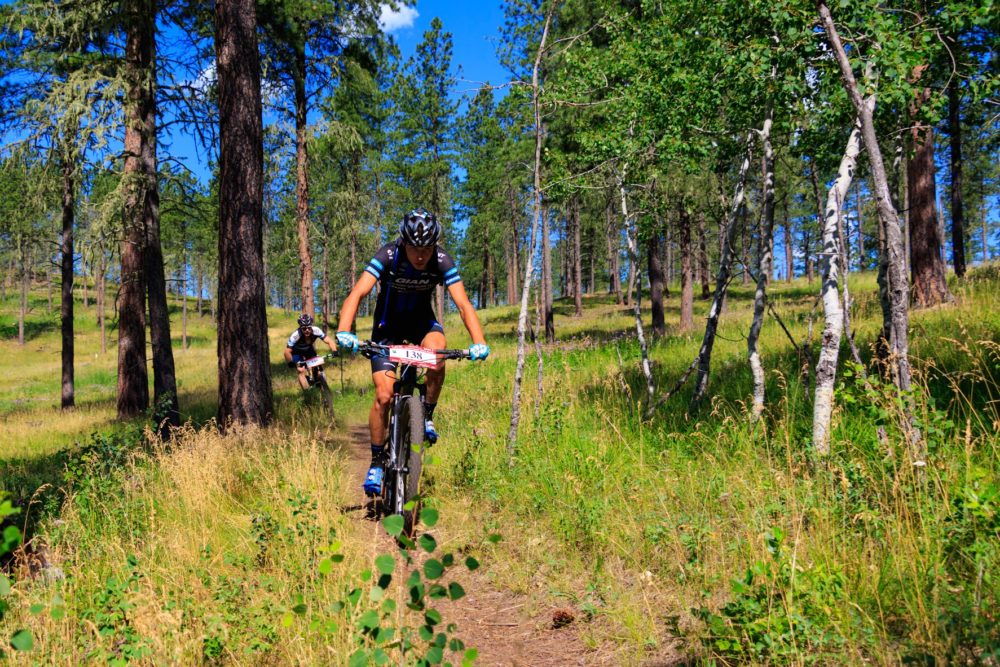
<point x="479" y="351"/>
<point x="347" y="340"/>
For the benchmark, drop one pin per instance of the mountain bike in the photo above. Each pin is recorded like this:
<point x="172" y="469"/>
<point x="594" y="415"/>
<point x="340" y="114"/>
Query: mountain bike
<point x="404" y="453"/>
<point x="316" y="377"/>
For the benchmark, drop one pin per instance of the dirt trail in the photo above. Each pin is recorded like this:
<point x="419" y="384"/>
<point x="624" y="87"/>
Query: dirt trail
<point x="492" y="621"/>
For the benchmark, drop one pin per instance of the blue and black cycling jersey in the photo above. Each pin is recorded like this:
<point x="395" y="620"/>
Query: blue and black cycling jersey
<point x="302" y="349"/>
<point x="403" y="309"/>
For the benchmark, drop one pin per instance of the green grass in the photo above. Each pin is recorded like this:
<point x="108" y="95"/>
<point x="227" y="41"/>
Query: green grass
<point x="700" y="533"/>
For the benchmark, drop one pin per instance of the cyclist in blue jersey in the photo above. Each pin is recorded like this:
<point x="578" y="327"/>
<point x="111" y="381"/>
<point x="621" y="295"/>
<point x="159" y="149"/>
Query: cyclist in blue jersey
<point x="407" y="271"/>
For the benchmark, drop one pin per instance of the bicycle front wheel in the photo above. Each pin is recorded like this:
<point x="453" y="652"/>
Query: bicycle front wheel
<point x="411" y="457"/>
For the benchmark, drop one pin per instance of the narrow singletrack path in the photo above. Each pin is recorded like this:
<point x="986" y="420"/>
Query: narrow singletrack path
<point x="495" y="622"/>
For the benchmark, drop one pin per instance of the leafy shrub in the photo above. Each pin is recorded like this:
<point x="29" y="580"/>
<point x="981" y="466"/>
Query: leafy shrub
<point x="781" y="612"/>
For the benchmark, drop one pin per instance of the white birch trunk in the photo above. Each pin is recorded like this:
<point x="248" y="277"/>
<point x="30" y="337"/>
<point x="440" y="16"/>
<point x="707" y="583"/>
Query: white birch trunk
<point x="631" y="233"/>
<point x="522" y="318"/>
<point x="765" y="249"/>
<point x="826" y="367"/>
<point x="897" y="276"/>
<point x="721" y="281"/>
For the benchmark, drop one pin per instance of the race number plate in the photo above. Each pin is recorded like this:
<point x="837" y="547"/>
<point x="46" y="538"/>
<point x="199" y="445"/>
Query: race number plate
<point x="413" y="355"/>
<point x="314" y="362"/>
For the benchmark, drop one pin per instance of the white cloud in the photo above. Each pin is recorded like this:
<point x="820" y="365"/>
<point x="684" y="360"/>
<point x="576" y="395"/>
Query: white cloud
<point x="396" y="19"/>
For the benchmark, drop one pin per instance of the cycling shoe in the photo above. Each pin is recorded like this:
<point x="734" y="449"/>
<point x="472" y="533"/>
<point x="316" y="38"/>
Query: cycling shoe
<point x="430" y="433"/>
<point x="373" y="480"/>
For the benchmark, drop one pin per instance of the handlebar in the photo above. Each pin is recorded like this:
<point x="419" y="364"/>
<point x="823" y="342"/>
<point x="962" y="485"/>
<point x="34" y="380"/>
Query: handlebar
<point x="370" y="349"/>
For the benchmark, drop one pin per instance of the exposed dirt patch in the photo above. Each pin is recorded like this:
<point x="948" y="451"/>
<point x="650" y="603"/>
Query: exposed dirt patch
<point x="492" y="621"/>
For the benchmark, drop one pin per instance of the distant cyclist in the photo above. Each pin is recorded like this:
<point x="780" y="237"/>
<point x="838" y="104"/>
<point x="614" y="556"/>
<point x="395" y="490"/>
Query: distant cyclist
<point x="407" y="270"/>
<point x="302" y="345"/>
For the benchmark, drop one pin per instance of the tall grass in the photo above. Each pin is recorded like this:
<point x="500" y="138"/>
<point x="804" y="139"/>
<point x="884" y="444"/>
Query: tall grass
<point x="701" y="534"/>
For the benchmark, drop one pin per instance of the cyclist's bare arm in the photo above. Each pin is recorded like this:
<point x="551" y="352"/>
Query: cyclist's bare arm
<point x="467" y="311"/>
<point x="288" y="354"/>
<point x="349" y="310"/>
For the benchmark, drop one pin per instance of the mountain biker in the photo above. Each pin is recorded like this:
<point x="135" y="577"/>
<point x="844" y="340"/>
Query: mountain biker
<point x="407" y="271"/>
<point x="302" y="345"/>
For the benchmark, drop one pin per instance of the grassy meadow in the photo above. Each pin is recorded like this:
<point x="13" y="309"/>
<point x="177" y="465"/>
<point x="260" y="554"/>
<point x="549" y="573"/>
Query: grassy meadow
<point x="700" y="537"/>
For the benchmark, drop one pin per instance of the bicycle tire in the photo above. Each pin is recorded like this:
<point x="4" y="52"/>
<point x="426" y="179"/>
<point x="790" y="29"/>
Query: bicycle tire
<point x="406" y="485"/>
<point x="324" y="392"/>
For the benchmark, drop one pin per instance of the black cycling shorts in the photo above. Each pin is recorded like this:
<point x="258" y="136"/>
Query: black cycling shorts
<point x="393" y="336"/>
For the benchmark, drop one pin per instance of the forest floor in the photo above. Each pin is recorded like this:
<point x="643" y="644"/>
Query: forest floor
<point x="607" y="538"/>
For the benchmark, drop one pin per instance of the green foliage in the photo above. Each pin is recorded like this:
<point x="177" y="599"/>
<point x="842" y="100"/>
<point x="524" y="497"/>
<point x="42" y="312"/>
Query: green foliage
<point x="10" y="537"/>
<point x="782" y="611"/>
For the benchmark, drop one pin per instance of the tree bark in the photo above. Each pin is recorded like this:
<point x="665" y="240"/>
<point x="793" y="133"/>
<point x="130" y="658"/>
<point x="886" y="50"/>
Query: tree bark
<point x="68" y="398"/>
<point x="302" y="181"/>
<point x="522" y="318"/>
<point x="142" y="96"/>
<point x="687" y="288"/>
<point x="957" y="212"/>
<point x="22" y="255"/>
<point x="133" y="390"/>
<point x="896" y="268"/>
<point x="826" y="367"/>
<point x="703" y="269"/>
<point x="631" y="235"/>
<point x="656" y="284"/>
<point x="764" y="250"/>
<point x="548" y="316"/>
<point x="244" y="371"/>
<point x="926" y="264"/>
<point x="614" y="268"/>
<point x="789" y="249"/>
<point x="862" y="263"/>
<point x="721" y="281"/>
<point x="577" y="258"/>
<point x="102" y="270"/>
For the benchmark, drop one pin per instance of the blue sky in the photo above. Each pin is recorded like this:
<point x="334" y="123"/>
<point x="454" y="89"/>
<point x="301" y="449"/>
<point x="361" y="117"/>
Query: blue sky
<point x="475" y="29"/>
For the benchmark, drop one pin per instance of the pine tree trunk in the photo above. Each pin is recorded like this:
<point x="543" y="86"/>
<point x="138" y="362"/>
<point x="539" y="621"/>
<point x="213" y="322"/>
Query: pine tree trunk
<point x="926" y="265"/>
<point x="826" y="367"/>
<point x="896" y="268"/>
<point x="862" y="260"/>
<point x="789" y="249"/>
<point x="614" y="269"/>
<point x="141" y="110"/>
<point x="764" y="259"/>
<point x="957" y="212"/>
<point x="548" y="315"/>
<point x="302" y="180"/>
<point x="244" y="370"/>
<point x="22" y="254"/>
<point x="577" y="259"/>
<point x="66" y="310"/>
<point x="687" y="288"/>
<point x="703" y="268"/>
<point x="133" y="389"/>
<point x="721" y="281"/>
<point x="655" y="269"/>
<point x="101" y="296"/>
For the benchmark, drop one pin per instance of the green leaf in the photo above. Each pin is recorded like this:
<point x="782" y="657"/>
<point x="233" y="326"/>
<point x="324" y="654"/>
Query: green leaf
<point x="394" y="524"/>
<point x="471" y="563"/>
<point x="432" y="616"/>
<point x="385" y="564"/>
<point x="429" y="516"/>
<point x="4" y="586"/>
<point x="358" y="659"/>
<point x="455" y="591"/>
<point x="22" y="641"/>
<point x="470" y="657"/>
<point x="369" y="620"/>
<point x="494" y="538"/>
<point x="435" y="655"/>
<point x="427" y="542"/>
<point x="36" y="609"/>
<point x="433" y="569"/>
<point x="325" y="566"/>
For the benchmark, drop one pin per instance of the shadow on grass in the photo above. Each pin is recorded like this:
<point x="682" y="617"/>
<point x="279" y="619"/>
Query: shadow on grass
<point x="32" y="329"/>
